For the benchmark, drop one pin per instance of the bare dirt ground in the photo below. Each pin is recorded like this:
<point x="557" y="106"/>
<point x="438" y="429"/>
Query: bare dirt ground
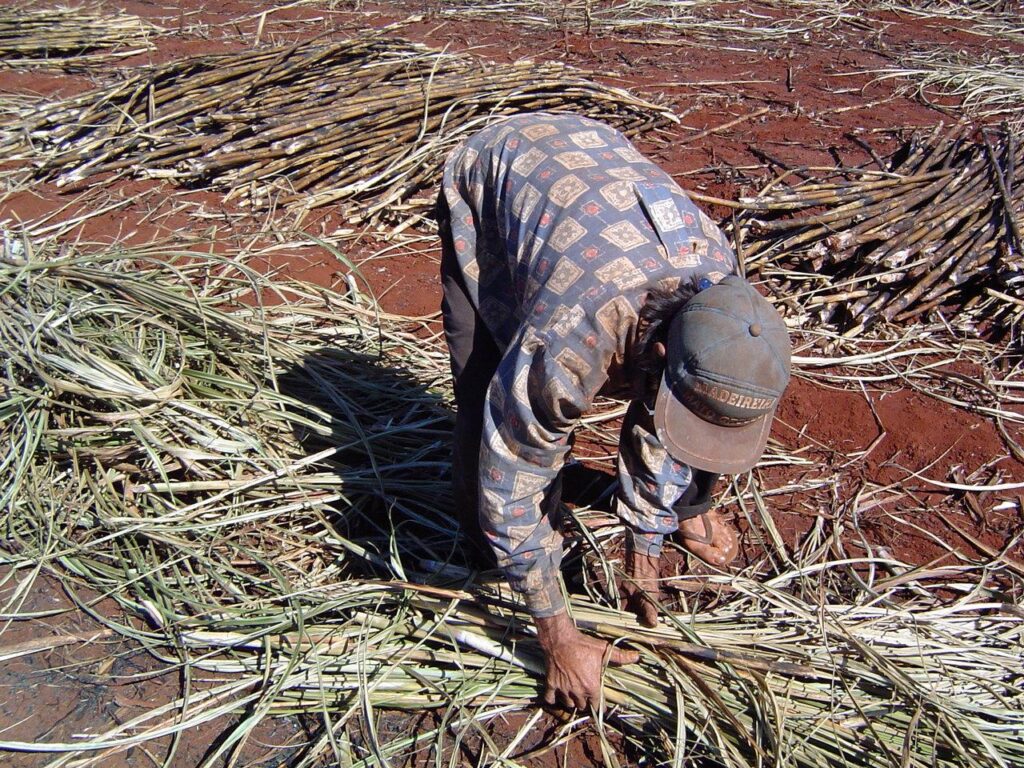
<point x="797" y="102"/>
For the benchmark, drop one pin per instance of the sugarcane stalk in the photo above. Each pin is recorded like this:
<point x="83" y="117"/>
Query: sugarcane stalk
<point x="1005" y="197"/>
<point x="945" y="214"/>
<point x="981" y="256"/>
<point x="812" y="195"/>
<point x="921" y="278"/>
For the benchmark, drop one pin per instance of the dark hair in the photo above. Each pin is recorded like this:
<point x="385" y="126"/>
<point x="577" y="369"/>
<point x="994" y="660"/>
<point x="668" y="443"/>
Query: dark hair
<point x="656" y="316"/>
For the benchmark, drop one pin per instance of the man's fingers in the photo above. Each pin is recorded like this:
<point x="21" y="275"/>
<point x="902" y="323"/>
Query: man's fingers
<point x="620" y="656"/>
<point x="625" y="596"/>
<point x="646" y="611"/>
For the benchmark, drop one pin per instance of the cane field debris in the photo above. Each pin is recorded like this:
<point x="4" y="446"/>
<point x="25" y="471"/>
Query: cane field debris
<point x="255" y="470"/>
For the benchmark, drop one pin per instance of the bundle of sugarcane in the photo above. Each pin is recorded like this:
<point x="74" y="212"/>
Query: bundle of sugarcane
<point x="75" y="36"/>
<point x="767" y="679"/>
<point x="166" y="449"/>
<point x="364" y="122"/>
<point x="940" y="226"/>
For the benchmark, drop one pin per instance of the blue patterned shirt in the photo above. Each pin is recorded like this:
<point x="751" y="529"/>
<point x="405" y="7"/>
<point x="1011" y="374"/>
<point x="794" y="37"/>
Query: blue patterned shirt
<point x="561" y="229"/>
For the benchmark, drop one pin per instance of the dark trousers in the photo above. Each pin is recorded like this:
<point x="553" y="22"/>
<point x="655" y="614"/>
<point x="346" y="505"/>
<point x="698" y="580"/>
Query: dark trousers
<point x="474" y="360"/>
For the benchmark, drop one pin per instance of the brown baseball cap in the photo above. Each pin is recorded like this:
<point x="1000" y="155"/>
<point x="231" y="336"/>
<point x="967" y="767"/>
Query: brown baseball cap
<point x="726" y="366"/>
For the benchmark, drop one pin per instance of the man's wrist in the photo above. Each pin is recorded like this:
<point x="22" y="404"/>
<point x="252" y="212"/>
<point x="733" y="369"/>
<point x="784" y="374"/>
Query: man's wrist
<point x="555" y="631"/>
<point x="643" y="543"/>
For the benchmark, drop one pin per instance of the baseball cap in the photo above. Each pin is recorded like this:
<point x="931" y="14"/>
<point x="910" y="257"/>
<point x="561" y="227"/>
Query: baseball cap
<point x="726" y="366"/>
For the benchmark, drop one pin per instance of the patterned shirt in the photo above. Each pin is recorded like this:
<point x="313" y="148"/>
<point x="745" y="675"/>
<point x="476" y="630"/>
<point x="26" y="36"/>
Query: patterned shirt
<point x="561" y="228"/>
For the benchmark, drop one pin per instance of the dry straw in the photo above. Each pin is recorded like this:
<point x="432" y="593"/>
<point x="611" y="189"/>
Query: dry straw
<point x="988" y="87"/>
<point x="661" y="19"/>
<point x="364" y="123"/>
<point x="256" y="470"/>
<point x="999" y="19"/>
<point x="729" y="25"/>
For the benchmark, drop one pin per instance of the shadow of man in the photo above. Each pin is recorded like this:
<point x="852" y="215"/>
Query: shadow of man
<point x="391" y="427"/>
<point x="391" y="430"/>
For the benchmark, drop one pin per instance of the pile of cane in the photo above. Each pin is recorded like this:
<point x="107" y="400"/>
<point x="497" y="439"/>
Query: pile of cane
<point x="939" y="226"/>
<point x="363" y="122"/>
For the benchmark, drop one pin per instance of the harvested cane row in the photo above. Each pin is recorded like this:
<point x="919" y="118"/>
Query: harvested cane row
<point x="363" y="122"/>
<point x="695" y="19"/>
<point x="732" y="24"/>
<point x="940" y="226"/>
<point x="69" y="36"/>
<point x="236" y="474"/>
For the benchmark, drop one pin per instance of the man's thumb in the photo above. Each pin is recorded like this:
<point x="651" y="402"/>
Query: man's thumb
<point x="619" y="656"/>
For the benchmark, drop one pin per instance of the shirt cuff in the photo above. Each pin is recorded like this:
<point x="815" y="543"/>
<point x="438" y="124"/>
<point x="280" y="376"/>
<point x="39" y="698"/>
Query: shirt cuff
<point x="648" y="544"/>
<point x="544" y="599"/>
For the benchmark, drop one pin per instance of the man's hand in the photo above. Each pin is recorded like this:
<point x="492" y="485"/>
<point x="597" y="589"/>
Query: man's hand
<point x="575" y="662"/>
<point x="641" y="588"/>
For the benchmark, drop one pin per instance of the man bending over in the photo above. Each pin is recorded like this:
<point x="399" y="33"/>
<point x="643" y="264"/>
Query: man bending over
<point x="572" y="266"/>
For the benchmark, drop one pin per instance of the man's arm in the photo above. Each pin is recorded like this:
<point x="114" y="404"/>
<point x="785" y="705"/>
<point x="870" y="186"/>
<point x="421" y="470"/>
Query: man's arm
<point x="533" y="403"/>
<point x="650" y="483"/>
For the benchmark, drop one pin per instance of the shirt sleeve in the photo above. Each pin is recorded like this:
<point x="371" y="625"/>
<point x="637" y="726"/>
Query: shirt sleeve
<point x="543" y="384"/>
<point x="650" y="482"/>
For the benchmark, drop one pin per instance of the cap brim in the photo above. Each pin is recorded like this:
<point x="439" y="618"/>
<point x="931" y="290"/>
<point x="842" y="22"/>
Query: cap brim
<point x="692" y="440"/>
